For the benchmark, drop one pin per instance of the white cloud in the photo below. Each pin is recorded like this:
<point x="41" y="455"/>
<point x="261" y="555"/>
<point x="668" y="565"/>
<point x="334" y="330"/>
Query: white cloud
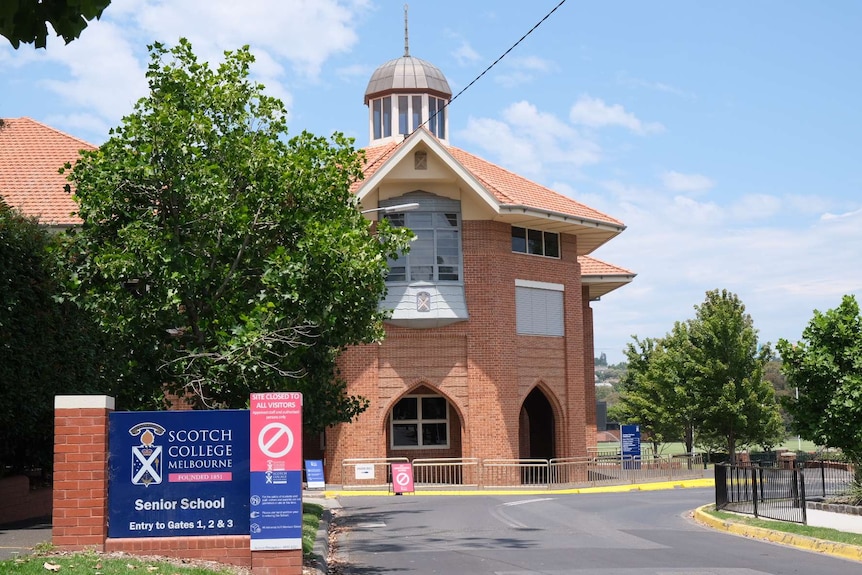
<point x="105" y="76"/>
<point x="465" y="55"/>
<point x="678" y="182"/>
<point x="756" y="207"/>
<point x="304" y="32"/>
<point x="529" y="141"/>
<point x="523" y="70"/>
<point x="594" y="113"/>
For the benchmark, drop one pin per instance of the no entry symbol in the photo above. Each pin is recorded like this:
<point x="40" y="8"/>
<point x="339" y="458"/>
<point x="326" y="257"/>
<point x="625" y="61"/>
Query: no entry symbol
<point x="402" y="479"/>
<point x="275" y="440"/>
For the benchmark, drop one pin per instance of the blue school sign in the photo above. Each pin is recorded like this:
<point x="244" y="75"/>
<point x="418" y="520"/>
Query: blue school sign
<point x="178" y="473"/>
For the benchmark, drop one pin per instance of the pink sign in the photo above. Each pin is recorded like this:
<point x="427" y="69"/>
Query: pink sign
<point x="276" y="431"/>
<point x="402" y="478"/>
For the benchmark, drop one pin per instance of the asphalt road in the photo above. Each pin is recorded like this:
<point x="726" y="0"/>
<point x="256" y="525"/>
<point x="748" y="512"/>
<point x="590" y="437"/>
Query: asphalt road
<point x="644" y="533"/>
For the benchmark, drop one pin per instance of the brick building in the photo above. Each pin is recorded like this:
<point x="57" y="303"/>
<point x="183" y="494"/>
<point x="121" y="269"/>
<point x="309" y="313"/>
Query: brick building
<point x="489" y="349"/>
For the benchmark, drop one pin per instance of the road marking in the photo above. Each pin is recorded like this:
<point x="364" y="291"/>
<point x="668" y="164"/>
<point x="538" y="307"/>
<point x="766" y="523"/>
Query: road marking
<point x="525" y="501"/>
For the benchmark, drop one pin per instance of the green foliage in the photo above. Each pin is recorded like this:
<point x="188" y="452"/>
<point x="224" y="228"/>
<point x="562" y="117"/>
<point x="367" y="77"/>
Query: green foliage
<point x="703" y="382"/>
<point x="26" y="20"/>
<point x="47" y="347"/>
<point x="826" y="367"/>
<point x="230" y="258"/>
<point x="311" y="514"/>
<point x="736" y="405"/>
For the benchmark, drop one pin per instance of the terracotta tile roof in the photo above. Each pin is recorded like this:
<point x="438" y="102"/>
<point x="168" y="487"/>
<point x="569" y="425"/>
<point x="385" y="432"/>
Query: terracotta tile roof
<point x="590" y="266"/>
<point x="601" y="278"/>
<point x="30" y="155"/>
<point x="508" y="188"/>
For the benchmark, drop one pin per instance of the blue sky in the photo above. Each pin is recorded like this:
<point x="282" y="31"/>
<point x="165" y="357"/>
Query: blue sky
<point x="727" y="136"/>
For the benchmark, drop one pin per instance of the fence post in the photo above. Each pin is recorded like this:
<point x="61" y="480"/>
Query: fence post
<point x="804" y="499"/>
<point x="754" y="471"/>
<point x="720" y="486"/>
<point x="794" y="487"/>
<point x="823" y="478"/>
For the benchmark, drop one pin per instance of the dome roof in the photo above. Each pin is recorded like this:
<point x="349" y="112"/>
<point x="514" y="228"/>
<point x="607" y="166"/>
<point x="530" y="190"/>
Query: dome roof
<point x="407" y="75"/>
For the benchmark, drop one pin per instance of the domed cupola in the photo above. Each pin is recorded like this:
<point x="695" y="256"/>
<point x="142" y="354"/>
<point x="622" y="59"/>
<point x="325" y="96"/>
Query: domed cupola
<point x="405" y="93"/>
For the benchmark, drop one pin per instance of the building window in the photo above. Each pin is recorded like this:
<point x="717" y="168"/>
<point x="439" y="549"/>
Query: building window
<point x="382" y="117"/>
<point x="435" y="253"/>
<point x="417" y="112"/>
<point x="402" y="115"/>
<point x="535" y="242"/>
<point x="420" y="421"/>
<point x="539" y="308"/>
<point x="437" y="116"/>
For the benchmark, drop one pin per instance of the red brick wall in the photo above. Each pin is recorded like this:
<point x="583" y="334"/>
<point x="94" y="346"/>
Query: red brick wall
<point x="481" y="366"/>
<point x="18" y="502"/>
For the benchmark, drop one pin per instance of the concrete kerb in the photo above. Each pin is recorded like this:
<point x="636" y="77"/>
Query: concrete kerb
<point x="844" y="550"/>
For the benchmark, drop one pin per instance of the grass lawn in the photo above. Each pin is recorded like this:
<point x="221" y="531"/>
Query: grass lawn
<point x="796" y="528"/>
<point x="46" y="561"/>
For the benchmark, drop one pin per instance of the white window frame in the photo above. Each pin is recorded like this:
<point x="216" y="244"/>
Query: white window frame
<point x="418" y="422"/>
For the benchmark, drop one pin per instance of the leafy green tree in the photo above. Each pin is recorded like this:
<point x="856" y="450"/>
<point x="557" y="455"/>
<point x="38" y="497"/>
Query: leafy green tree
<point x="736" y="405"/>
<point x="654" y="392"/>
<point x="47" y="347"/>
<point x="232" y="259"/>
<point x="26" y="20"/>
<point x="826" y="366"/>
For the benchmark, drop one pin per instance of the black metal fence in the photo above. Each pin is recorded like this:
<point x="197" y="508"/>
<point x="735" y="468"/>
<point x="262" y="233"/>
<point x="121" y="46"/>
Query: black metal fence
<point x="778" y="493"/>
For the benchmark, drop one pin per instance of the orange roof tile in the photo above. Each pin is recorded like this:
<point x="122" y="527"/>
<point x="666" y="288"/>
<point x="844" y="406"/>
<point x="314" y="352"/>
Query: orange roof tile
<point x="31" y="154"/>
<point x="512" y="189"/>
<point x="590" y="266"/>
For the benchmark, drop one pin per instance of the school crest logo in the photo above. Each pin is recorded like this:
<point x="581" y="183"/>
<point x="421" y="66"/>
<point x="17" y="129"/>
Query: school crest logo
<point x="147" y="457"/>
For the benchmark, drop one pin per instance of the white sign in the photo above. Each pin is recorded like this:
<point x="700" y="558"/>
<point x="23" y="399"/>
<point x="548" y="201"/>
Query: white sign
<point x="364" y="471"/>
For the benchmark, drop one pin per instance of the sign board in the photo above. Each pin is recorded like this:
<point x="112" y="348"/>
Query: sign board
<point x="402" y="478"/>
<point x="630" y="445"/>
<point x="314" y="474"/>
<point x="276" y="471"/>
<point x="178" y="473"/>
<point x="364" y="471"/>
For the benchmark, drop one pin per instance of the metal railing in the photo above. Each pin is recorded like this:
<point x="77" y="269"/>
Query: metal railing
<point x="446" y="472"/>
<point x="768" y="492"/>
<point x="778" y="493"/>
<point x="559" y="473"/>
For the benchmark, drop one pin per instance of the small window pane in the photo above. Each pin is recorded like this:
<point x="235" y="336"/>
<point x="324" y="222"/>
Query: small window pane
<point x="433" y="408"/>
<point x="534" y="242"/>
<point x="420" y="219"/>
<point x="552" y="245"/>
<point x="405" y="434"/>
<point x="519" y="240"/>
<point x="387" y="116"/>
<point x="397" y="274"/>
<point x="433" y="434"/>
<point x="417" y="112"/>
<point x="441" y="119"/>
<point x="402" y="115"/>
<point x="421" y="273"/>
<point x="376" y="118"/>
<point x="407" y="408"/>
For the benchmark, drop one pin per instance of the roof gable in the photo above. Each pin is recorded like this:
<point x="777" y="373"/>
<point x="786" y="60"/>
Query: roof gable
<point x="31" y="154"/>
<point x="513" y="198"/>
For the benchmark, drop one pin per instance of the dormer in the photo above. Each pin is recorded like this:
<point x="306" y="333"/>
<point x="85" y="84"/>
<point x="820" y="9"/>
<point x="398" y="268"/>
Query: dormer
<point x="405" y="94"/>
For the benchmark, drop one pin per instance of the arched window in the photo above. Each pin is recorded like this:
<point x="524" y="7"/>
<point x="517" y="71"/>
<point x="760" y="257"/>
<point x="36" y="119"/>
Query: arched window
<point x="420" y="421"/>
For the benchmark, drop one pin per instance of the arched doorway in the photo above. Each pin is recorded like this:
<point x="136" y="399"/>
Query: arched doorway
<point x="537" y="429"/>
